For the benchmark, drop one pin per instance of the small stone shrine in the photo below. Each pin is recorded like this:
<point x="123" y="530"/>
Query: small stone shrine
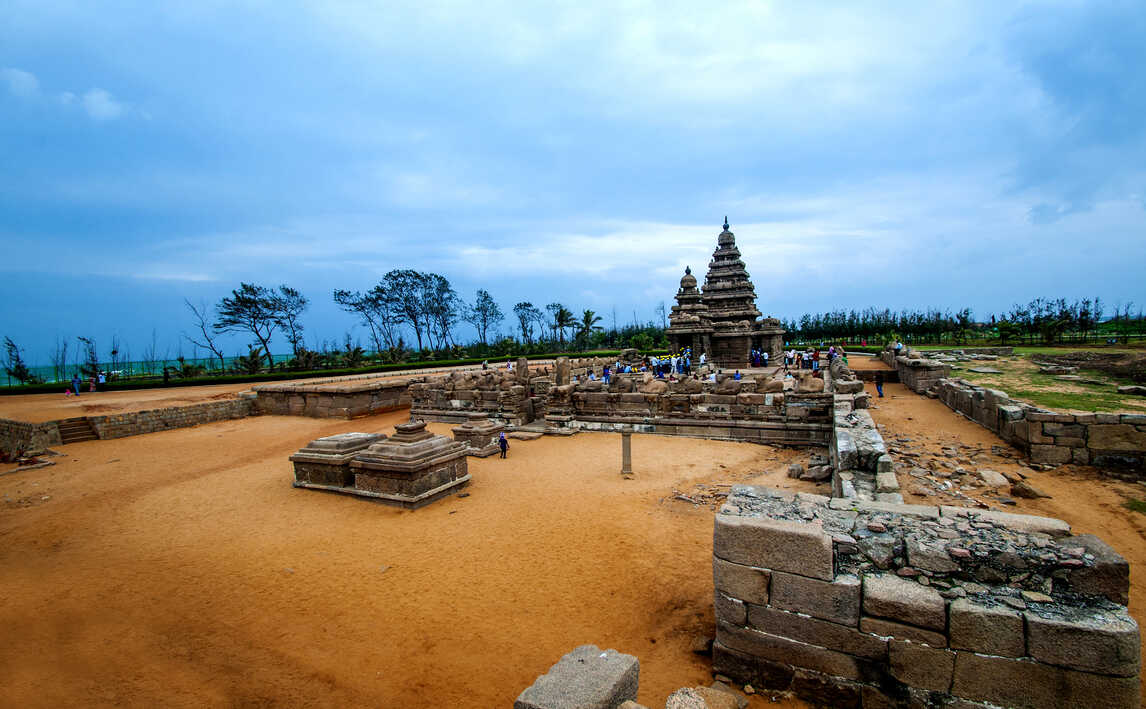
<point x="479" y="434"/>
<point x="722" y="321"/>
<point x="411" y="468"/>
<point x="326" y="462"/>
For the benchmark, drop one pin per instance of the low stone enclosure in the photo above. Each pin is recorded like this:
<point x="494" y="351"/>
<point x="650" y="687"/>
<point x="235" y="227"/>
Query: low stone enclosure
<point x="16" y="436"/>
<point x="851" y="604"/>
<point x="1114" y="442"/>
<point x="351" y="399"/>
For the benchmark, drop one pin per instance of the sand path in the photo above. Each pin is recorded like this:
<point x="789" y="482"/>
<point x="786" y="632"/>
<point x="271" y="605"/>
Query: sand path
<point x="181" y="569"/>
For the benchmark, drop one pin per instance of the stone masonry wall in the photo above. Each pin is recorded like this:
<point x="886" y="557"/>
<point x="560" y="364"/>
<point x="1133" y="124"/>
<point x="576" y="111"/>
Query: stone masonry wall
<point x="20" y="436"/>
<point x="342" y="400"/>
<point x="1115" y="442"/>
<point x="134" y="423"/>
<point x="868" y="604"/>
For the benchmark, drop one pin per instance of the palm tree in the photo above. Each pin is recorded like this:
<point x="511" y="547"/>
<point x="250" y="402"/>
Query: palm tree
<point x="588" y="325"/>
<point x="563" y="318"/>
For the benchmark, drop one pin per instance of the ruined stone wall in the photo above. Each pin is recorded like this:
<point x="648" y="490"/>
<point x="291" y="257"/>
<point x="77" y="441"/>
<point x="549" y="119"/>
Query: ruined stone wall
<point x="1115" y="442"/>
<point x="134" y="423"/>
<point x="345" y="400"/>
<point x="855" y="604"/>
<point x="20" y="436"/>
<point x="916" y="373"/>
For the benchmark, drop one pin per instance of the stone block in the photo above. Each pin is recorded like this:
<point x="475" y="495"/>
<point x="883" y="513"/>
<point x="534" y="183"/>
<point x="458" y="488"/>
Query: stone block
<point x="1107" y="575"/>
<point x="1026" y="684"/>
<point x="1020" y="523"/>
<point x="587" y="678"/>
<point x="988" y="630"/>
<point x="796" y="626"/>
<point x="1067" y="430"/>
<point x="1050" y="455"/>
<point x="886" y="482"/>
<point x="1116" y="437"/>
<point x="921" y="666"/>
<point x="1105" y="642"/>
<point x="891" y="629"/>
<point x="739" y="581"/>
<point x="837" y="600"/>
<point x="778" y="649"/>
<point x="928" y="511"/>
<point x="730" y="610"/>
<point x="827" y="691"/>
<point x="795" y="547"/>
<point x="896" y="598"/>
<point x="928" y="556"/>
<point x="747" y="669"/>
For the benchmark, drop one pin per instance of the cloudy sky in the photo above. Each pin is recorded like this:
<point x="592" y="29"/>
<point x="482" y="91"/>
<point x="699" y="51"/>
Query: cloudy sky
<point x="900" y="155"/>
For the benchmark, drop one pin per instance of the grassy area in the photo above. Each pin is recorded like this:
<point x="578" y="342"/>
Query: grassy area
<point x="1136" y="505"/>
<point x="1022" y="380"/>
<point x="1041" y="349"/>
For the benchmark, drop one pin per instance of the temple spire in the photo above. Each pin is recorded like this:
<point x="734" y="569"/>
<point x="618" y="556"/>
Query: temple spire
<point x="726" y="222"/>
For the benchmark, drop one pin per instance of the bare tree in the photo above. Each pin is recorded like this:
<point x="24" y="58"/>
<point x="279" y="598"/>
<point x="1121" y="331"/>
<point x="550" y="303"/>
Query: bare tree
<point x="527" y="316"/>
<point x="206" y="339"/>
<point x="60" y="359"/>
<point x="483" y="314"/>
<point x="290" y="305"/>
<point x="250" y="308"/>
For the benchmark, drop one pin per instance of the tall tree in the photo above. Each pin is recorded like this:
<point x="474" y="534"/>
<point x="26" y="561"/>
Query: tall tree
<point x="404" y="288"/>
<point x="206" y="339"/>
<point x="527" y="315"/>
<point x="588" y="325"/>
<point x="14" y="364"/>
<point x="441" y="307"/>
<point x="483" y="314"/>
<point x="564" y="319"/>
<point x="289" y="306"/>
<point x="250" y="308"/>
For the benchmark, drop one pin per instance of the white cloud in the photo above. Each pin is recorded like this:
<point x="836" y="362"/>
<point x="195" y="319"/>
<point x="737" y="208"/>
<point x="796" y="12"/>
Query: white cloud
<point x="20" y="83"/>
<point x="101" y="105"/>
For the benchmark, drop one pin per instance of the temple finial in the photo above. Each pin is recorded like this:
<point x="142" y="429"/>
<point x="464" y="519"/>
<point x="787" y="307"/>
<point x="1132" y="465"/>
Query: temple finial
<point x="687" y="271"/>
<point x="726" y="222"/>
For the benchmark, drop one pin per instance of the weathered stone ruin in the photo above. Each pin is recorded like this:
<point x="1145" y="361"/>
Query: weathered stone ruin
<point x="343" y="399"/>
<point x="850" y="604"/>
<point x="409" y="469"/>
<point x="723" y="320"/>
<point x="479" y="434"/>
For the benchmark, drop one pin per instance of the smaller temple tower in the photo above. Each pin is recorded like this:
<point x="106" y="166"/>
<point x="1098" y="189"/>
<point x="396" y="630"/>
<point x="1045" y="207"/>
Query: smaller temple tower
<point x="723" y="320"/>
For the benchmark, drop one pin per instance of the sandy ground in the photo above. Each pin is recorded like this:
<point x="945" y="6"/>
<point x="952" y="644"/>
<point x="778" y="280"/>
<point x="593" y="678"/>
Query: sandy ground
<point x="182" y="569"/>
<point x="1090" y="503"/>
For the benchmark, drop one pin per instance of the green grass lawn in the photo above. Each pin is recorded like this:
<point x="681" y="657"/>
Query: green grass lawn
<point x="1022" y="380"/>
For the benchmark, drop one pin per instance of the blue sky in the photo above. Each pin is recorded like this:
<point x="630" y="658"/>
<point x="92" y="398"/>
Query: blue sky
<point x="900" y="155"/>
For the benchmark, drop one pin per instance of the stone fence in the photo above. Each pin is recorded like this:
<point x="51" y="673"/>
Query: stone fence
<point x="134" y="423"/>
<point x="870" y="604"/>
<point x="915" y="372"/>
<point x="21" y="436"/>
<point x="349" y="399"/>
<point x="1116" y="442"/>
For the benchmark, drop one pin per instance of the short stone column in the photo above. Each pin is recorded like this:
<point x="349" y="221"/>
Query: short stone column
<point x="479" y="434"/>
<point x="627" y="453"/>
<point x="562" y="369"/>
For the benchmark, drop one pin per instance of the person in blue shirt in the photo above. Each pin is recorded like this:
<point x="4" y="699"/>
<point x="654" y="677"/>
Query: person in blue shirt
<point x="737" y="375"/>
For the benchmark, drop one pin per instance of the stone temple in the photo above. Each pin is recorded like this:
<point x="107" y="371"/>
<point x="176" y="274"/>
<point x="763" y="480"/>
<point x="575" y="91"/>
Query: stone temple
<point x="723" y="321"/>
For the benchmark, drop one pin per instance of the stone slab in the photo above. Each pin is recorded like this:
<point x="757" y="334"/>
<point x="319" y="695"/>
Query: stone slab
<point x="905" y="601"/>
<point x="837" y="600"/>
<point x="812" y="631"/>
<point x="739" y="581"/>
<point x="586" y="678"/>
<point x="921" y="666"/>
<point x="791" y="652"/>
<point x="891" y="629"/>
<point x="1095" y="641"/>
<point x="990" y="630"/>
<point x="1025" y="684"/>
<point x="795" y="547"/>
<point x="1017" y="522"/>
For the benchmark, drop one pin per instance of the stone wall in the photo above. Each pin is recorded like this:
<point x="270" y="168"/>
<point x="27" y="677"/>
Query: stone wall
<point x="915" y="372"/>
<point x="870" y="604"/>
<point x="134" y="423"/>
<point x="1116" y="442"/>
<point x="20" y="436"/>
<point x="348" y="400"/>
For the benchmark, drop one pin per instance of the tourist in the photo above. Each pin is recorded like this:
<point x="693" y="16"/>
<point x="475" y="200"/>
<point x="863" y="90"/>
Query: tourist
<point x="703" y="357"/>
<point x="502" y="443"/>
<point x="605" y="374"/>
<point x="764" y="358"/>
<point x="898" y="347"/>
<point x="76" y="384"/>
<point x="485" y="364"/>
<point x="592" y="377"/>
<point x="879" y="383"/>
<point x="737" y="375"/>
<point x="816" y="361"/>
<point x="102" y="381"/>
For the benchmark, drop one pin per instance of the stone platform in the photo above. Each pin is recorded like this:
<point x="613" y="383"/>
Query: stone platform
<point x="479" y="434"/>
<point x="412" y="468"/>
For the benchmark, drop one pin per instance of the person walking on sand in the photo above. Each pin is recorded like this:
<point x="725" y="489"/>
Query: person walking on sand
<point x="879" y="383"/>
<point x="502" y="443"/>
<point x="76" y="384"/>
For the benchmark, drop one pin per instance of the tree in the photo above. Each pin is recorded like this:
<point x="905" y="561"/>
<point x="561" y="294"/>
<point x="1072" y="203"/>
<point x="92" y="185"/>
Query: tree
<point x="289" y="305"/>
<point x="552" y="309"/>
<point x="90" y="366"/>
<point x="588" y="325"/>
<point x="60" y="359"/>
<point x="207" y="341"/>
<point x="527" y="316"/>
<point x="440" y="308"/>
<point x="483" y="314"/>
<point x="404" y="289"/>
<point x="14" y="364"/>
<point x="250" y="308"/>
<point x="563" y="319"/>
<point x="377" y="311"/>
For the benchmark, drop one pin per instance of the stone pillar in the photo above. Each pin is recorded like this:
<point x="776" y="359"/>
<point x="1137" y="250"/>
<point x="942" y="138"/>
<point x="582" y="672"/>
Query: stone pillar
<point x="562" y="370"/>
<point x="521" y="370"/>
<point x="626" y="452"/>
